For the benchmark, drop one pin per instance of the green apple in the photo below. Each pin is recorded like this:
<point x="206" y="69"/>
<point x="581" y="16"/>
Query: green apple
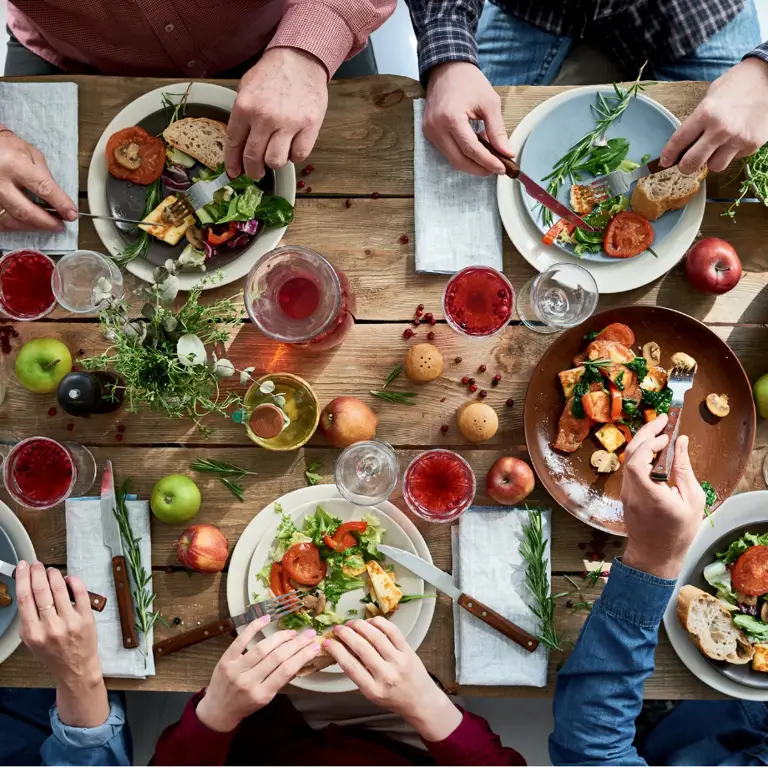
<point x="175" y="499"/>
<point x="41" y="364"/>
<point x="761" y="396"/>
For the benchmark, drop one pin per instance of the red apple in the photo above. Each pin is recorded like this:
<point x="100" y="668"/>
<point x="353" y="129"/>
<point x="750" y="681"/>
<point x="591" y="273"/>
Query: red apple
<point x="509" y="480"/>
<point x="347" y="420"/>
<point x="712" y="266"/>
<point x="202" y="548"/>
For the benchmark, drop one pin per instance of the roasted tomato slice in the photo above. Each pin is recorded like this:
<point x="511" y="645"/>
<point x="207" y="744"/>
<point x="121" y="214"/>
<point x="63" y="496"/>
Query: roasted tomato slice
<point x="616" y="404"/>
<point x="618" y="332"/>
<point x="627" y="235"/>
<point x="597" y="405"/>
<point x="135" y="155"/>
<point x="750" y="573"/>
<point x="278" y="581"/>
<point x="302" y="563"/>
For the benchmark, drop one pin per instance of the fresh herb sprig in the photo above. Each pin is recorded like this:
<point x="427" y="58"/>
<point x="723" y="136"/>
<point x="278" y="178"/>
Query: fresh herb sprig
<point x="533" y="551"/>
<point x="141" y="579"/>
<point x="393" y="374"/>
<point x="755" y="169"/>
<point x="310" y="473"/>
<point x="593" y="576"/>
<point x="607" y="111"/>
<point x="583" y="605"/>
<point x="223" y="469"/>
<point x="233" y="486"/>
<point x="405" y="398"/>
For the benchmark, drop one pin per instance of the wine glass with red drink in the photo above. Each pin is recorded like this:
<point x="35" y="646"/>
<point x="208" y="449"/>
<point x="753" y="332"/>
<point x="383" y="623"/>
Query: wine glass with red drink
<point x="478" y="301"/>
<point x="439" y="485"/>
<point x="25" y="285"/>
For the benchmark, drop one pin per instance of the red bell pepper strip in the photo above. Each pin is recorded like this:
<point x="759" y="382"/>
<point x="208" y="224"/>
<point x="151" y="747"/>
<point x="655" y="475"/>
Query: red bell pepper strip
<point x="214" y="239"/>
<point x="616" y="404"/>
<point x="554" y="231"/>
<point x="624" y="429"/>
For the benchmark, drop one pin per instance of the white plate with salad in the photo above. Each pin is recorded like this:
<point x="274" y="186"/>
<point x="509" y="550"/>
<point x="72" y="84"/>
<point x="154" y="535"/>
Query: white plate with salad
<point x="328" y="552"/>
<point x="717" y="619"/>
<point x="147" y="159"/>
<point x="613" y="275"/>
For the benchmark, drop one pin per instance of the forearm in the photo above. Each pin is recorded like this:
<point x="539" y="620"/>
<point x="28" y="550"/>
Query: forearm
<point x="600" y="689"/>
<point x="445" y="32"/>
<point x="83" y="702"/>
<point x="331" y="30"/>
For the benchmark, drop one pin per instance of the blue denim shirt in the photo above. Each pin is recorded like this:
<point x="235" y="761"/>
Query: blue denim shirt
<point x="600" y="692"/>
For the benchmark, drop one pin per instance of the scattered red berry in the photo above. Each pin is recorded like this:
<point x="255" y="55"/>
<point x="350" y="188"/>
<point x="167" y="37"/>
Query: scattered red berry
<point x="70" y="426"/>
<point x="497" y="378"/>
<point x="604" y="574"/>
<point x="482" y="369"/>
<point x="118" y="437"/>
<point x="431" y="335"/>
<point x="407" y="333"/>
<point x="121" y="428"/>
<point x="307" y="170"/>
<point x="51" y="411"/>
<point x="309" y="189"/>
<point x="299" y="184"/>
<point x="444" y="428"/>
<point x="417" y="322"/>
<point x="473" y="387"/>
<point x="420" y="308"/>
<point x="432" y="321"/>
<point x="471" y="381"/>
<point x="75" y="368"/>
<point x="510" y="402"/>
<point x="404" y="239"/>
<point x="465" y="380"/>
<point x="457" y="360"/>
<point x="375" y="195"/>
<point x="348" y="203"/>
<point x="442" y="399"/>
<point x="593" y="556"/>
<point x="419" y="313"/>
<point x="483" y="393"/>
<point x="428" y="317"/>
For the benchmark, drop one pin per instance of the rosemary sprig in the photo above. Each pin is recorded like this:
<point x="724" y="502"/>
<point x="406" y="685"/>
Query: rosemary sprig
<point x="593" y="576"/>
<point x="393" y="374"/>
<point x="234" y="486"/>
<point x="310" y="473"/>
<point x="533" y="551"/>
<point x="583" y="605"/>
<point x="395" y="397"/>
<point x="218" y="467"/>
<point x="139" y="247"/>
<point x="141" y="580"/>
<point x="607" y="111"/>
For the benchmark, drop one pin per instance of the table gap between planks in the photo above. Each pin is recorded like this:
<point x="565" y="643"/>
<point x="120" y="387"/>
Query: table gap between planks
<point x="366" y="146"/>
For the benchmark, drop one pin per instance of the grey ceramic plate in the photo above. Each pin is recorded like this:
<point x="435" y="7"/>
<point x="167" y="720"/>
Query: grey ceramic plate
<point x="8" y="555"/>
<point x="126" y="199"/>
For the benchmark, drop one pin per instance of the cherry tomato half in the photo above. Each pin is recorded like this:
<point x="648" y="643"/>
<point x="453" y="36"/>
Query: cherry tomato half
<point x="618" y="332"/>
<point x="302" y="563"/>
<point x="628" y="234"/>
<point x="278" y="581"/>
<point x="151" y="151"/>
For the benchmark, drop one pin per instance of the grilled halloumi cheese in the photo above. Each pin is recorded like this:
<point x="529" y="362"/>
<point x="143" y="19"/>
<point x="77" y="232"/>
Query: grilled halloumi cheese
<point x="610" y="437"/>
<point x="760" y="659"/>
<point x="163" y="230"/>
<point x="655" y="380"/>
<point x="384" y="588"/>
<point x="570" y="378"/>
<point x="582" y="199"/>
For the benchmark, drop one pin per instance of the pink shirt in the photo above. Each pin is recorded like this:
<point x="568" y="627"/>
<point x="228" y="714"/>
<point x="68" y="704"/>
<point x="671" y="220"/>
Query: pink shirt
<point x="195" y="38"/>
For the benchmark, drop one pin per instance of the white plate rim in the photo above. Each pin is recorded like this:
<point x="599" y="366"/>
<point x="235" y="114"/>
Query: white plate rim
<point x="610" y="278"/>
<point x="209" y="94"/>
<point x="19" y="537"/>
<point x="735" y="512"/>
<point x="246" y="544"/>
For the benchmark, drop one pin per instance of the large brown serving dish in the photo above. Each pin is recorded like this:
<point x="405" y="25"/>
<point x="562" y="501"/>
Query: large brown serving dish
<point x="719" y="449"/>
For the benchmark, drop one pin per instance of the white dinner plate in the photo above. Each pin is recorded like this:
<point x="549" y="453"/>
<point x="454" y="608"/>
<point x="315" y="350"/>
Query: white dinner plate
<point x="199" y="93"/>
<point x="10" y="640"/>
<point x="735" y="513"/>
<point x="263" y="526"/>
<point x="617" y="276"/>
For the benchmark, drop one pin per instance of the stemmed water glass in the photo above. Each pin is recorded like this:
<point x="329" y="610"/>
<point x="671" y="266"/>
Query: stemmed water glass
<point x="367" y="472"/>
<point x="562" y="296"/>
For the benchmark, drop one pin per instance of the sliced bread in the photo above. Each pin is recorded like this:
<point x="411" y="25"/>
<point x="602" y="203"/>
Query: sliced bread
<point x="200" y="138"/>
<point x="665" y="191"/>
<point x="321" y="661"/>
<point x="709" y="624"/>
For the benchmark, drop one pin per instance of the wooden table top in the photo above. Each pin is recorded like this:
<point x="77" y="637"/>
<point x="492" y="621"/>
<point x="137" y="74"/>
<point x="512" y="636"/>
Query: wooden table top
<point x="366" y="146"/>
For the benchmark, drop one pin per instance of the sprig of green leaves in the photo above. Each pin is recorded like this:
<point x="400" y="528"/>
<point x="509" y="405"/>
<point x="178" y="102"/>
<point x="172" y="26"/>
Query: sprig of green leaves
<point x="405" y="398"/>
<point x="310" y="473"/>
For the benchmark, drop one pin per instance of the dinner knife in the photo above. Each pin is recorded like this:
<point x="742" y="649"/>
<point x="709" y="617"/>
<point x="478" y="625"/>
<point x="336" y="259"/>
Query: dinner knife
<point x="536" y="191"/>
<point x="445" y="583"/>
<point x="110" y="532"/>
<point x="97" y="601"/>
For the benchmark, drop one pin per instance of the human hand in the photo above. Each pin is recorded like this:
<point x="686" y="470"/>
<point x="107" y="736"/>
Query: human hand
<point x="730" y="122"/>
<point x="62" y="637"/>
<point x="662" y="520"/>
<point x="245" y="681"/>
<point x="377" y="658"/>
<point x="24" y="167"/>
<point x="278" y="112"/>
<point x="458" y="92"/>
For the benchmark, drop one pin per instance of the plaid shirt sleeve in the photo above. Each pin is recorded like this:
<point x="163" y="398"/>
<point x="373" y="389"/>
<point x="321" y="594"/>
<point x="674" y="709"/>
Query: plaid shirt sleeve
<point x="761" y="52"/>
<point x="445" y="31"/>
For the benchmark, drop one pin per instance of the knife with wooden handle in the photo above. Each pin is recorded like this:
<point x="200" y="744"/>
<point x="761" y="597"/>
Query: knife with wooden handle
<point x="194" y="636"/>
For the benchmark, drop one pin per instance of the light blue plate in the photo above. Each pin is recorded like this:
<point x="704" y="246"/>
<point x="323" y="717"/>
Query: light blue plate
<point x="644" y="124"/>
<point x="7" y="554"/>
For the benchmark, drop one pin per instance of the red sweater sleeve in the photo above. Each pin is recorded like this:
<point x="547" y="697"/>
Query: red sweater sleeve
<point x="189" y="742"/>
<point x="473" y="743"/>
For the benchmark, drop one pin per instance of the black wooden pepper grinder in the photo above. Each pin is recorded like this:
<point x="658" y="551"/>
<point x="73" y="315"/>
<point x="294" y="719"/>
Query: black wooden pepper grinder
<point x="86" y="394"/>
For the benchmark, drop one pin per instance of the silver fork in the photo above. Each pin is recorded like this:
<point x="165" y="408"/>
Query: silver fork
<point x="276" y="607"/>
<point x="680" y="382"/>
<point x="619" y="182"/>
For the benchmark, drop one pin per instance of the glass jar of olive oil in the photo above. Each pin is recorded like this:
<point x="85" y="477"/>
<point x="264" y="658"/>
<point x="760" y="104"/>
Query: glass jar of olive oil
<point x="281" y="412"/>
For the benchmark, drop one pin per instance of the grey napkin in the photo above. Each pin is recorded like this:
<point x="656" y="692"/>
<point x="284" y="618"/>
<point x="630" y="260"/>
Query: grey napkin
<point x="90" y="559"/>
<point x="456" y="214"/>
<point x="488" y="566"/>
<point x="45" y="115"/>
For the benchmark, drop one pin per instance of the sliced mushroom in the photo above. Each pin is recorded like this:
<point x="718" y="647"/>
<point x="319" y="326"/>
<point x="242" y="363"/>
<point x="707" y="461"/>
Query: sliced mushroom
<point x="5" y="598"/>
<point x="749" y="600"/>
<point x="683" y="360"/>
<point x="128" y="156"/>
<point x="718" y="405"/>
<point x="605" y="462"/>
<point x="315" y="604"/>
<point x="195" y="236"/>
<point x="764" y="613"/>
<point x="652" y="353"/>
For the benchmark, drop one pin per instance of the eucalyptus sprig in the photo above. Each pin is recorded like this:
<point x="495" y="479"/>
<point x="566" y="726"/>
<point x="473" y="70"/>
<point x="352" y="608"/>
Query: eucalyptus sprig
<point x="533" y="551"/>
<point x="607" y="111"/>
<point x="141" y="579"/>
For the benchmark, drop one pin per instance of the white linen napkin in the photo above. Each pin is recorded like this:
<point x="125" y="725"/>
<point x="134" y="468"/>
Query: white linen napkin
<point x="488" y="566"/>
<point x="45" y="115"/>
<point x="90" y="559"/>
<point x="456" y="214"/>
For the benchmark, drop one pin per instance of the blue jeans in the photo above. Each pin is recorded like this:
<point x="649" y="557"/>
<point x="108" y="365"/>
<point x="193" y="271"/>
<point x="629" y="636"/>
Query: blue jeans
<point x="514" y="52"/>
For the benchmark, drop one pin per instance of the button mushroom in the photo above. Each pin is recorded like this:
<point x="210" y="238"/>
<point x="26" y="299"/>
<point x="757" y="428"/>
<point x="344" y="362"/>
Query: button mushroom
<point x="314" y="603"/>
<point x="605" y="462"/>
<point x="5" y="598"/>
<point x="685" y="361"/>
<point x="718" y="405"/>
<point x="195" y="237"/>
<point x="128" y="156"/>
<point x="652" y="353"/>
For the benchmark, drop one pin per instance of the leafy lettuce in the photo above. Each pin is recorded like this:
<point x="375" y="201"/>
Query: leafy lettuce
<point x="370" y="540"/>
<point x="320" y="524"/>
<point x="336" y="584"/>
<point x="740" y="546"/>
<point x="752" y="626"/>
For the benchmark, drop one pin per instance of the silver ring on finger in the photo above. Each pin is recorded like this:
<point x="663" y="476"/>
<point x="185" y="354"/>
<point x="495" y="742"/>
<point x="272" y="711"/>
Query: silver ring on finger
<point x="46" y="608"/>
<point x="3" y="211"/>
